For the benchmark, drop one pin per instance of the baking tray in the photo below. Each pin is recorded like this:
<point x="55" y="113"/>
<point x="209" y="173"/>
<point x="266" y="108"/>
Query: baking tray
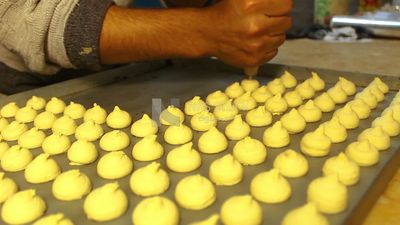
<point x="136" y="87"/>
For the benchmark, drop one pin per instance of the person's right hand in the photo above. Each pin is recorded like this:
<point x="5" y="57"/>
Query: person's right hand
<point x="246" y="33"/>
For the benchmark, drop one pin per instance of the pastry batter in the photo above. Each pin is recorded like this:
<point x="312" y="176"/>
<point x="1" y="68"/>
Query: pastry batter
<point x="261" y="94"/>
<point x="288" y="80"/>
<point x="183" y="159"/>
<point x="293" y="99"/>
<point x="82" y="152"/>
<point x="13" y="131"/>
<point x="245" y="102"/>
<point x="276" y="136"/>
<point x="324" y="102"/>
<point x="347" y="86"/>
<point x="347" y="117"/>
<point x="316" y="143"/>
<point x="3" y="148"/>
<point x="156" y="211"/>
<point x="270" y="187"/>
<point x="250" y="85"/>
<point x="368" y="98"/>
<point x="241" y="209"/>
<point x="212" y="141"/>
<point x="363" y="153"/>
<point x="15" y="159"/>
<point x="3" y="123"/>
<point x="9" y="110"/>
<point x="71" y="185"/>
<point x="293" y="122"/>
<point x="56" y="144"/>
<point x="360" y="108"/>
<point x="44" y="120"/>
<point x="388" y="124"/>
<point x="75" y="110"/>
<point x="64" y="125"/>
<point x="237" y="129"/>
<point x="305" y="90"/>
<point x="226" y="111"/>
<point x="42" y="169"/>
<point x="114" y="140"/>
<point x="291" y="164"/>
<point x="212" y="220"/>
<point x="89" y="131"/>
<point x="234" y="90"/>
<point x="384" y="88"/>
<point x="316" y="82"/>
<point x="203" y="121"/>
<point x="276" y="105"/>
<point x="118" y="118"/>
<point x="276" y="86"/>
<point x="54" y="219"/>
<point x="149" y="180"/>
<point x="376" y="137"/>
<point x="31" y="139"/>
<point x="259" y="117"/>
<point x="55" y="105"/>
<point x="178" y="134"/>
<point x="172" y="116"/>
<point x="8" y="187"/>
<point x="147" y="149"/>
<point x="305" y="215"/>
<point x="144" y="127"/>
<point x="310" y="112"/>
<point x="96" y="113"/>
<point x="250" y="151"/>
<point x="25" y="114"/>
<point x="337" y="94"/>
<point x="114" y="165"/>
<point x="37" y="103"/>
<point x="346" y="170"/>
<point x="335" y="131"/>
<point x="226" y="171"/>
<point x="217" y="98"/>
<point x="195" y="106"/>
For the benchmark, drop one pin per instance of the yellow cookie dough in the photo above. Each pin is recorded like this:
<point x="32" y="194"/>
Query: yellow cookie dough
<point x="245" y="102"/>
<point x="172" y="116"/>
<point x="64" y="125"/>
<point x="9" y="110"/>
<point x="144" y="127"/>
<point x="147" y="149"/>
<point x="44" y="120"/>
<point x="211" y="220"/>
<point x="237" y="129"/>
<point x="316" y="143"/>
<point x="376" y="137"/>
<point x="291" y="164"/>
<point x="363" y="153"/>
<point x="259" y="117"/>
<point x="337" y="94"/>
<point x="54" y="219"/>
<point x="226" y="111"/>
<point x="118" y="118"/>
<point x="75" y="110"/>
<point x="335" y="131"/>
<point x="324" y="102"/>
<point x="195" y="106"/>
<point x="25" y="114"/>
<point x="89" y="131"/>
<point x="276" y="136"/>
<point x="114" y="140"/>
<point x="276" y="86"/>
<point x="41" y="169"/>
<point x="212" y="141"/>
<point x="393" y="110"/>
<point x="15" y="159"/>
<point x="55" y="105"/>
<point x="270" y="187"/>
<point x="249" y="85"/>
<point x="156" y="211"/>
<point x="346" y="170"/>
<point x="3" y="148"/>
<point x="149" y="180"/>
<point x="114" y="165"/>
<point x="305" y="215"/>
<point x="37" y="103"/>
<point x="310" y="112"/>
<point x="23" y="207"/>
<point x="388" y="124"/>
<point x="305" y="90"/>
<point x="178" y="134"/>
<point x="105" y="203"/>
<point x="376" y="92"/>
<point x="316" y="82"/>
<point x="288" y="80"/>
<point x="71" y="185"/>
<point x="82" y="152"/>
<point x="31" y="139"/>
<point x="276" y="105"/>
<point x="293" y="122"/>
<point x="13" y="131"/>
<point x="261" y="94"/>
<point x="347" y="117"/>
<point x="234" y="90"/>
<point x="241" y="209"/>
<point x="328" y="194"/>
<point x="3" y="123"/>
<point x="217" y="98"/>
<point x="347" y="86"/>
<point x="96" y="113"/>
<point x="203" y="121"/>
<point x="226" y="171"/>
<point x="250" y="151"/>
<point x="195" y="192"/>
<point x="56" y="144"/>
<point x="368" y="98"/>
<point x="7" y="187"/>
<point x="384" y="88"/>
<point x="293" y="99"/>
<point x="183" y="159"/>
<point x="360" y="108"/>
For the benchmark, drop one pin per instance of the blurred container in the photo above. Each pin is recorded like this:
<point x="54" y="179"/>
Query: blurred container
<point x="369" y="5"/>
<point x="325" y="9"/>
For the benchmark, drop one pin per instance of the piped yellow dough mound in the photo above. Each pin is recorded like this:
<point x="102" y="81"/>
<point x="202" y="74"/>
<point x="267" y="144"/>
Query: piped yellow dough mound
<point x="337" y="94"/>
<point x="376" y="137"/>
<point x="276" y="86"/>
<point x="217" y="98"/>
<point x="250" y="151"/>
<point x="178" y="134"/>
<point x="276" y="136"/>
<point x="316" y="82"/>
<point x="368" y="98"/>
<point x="381" y="85"/>
<point x="31" y="139"/>
<point x="360" y="108"/>
<point x="25" y="114"/>
<point x="324" y="102"/>
<point x="249" y="85"/>
<point x="293" y="122"/>
<point x="9" y="110"/>
<point x="156" y="211"/>
<point x="144" y="127"/>
<point x="118" y="118"/>
<point x="54" y="219"/>
<point x="335" y="131"/>
<point x="376" y="92"/>
<point x="388" y="124"/>
<point x="293" y="99"/>
<point x="71" y="185"/>
<point x="328" y="194"/>
<point x="310" y="112"/>
<point x="261" y="94"/>
<point x="347" y="117"/>
<point x="64" y="125"/>
<point x="3" y="123"/>
<point x="237" y="129"/>
<point x="241" y="209"/>
<point x="393" y="110"/>
<point x="82" y="152"/>
<point x="234" y="90"/>
<point x="23" y="207"/>
<point x="226" y="111"/>
<point x="291" y="164"/>
<point x="183" y="159"/>
<point x="194" y="106"/>
<point x="203" y="121"/>
<point x="56" y="144"/>
<point x="44" y="120"/>
<point x="259" y="117"/>
<point x="42" y="169"/>
<point x="13" y="131"/>
<point x="55" y="105"/>
<point x="37" y="103"/>
<point x="15" y="159"/>
<point x="114" y="165"/>
<point x="288" y="80"/>
<point x="276" y="105"/>
<point x="270" y="187"/>
<point x="195" y="192"/>
<point x="89" y="131"/>
<point x="211" y="220"/>
<point x="305" y="90"/>
<point x="149" y="180"/>
<point x="245" y="102"/>
<point x="114" y="140"/>
<point x="96" y="113"/>
<point x="172" y="116"/>
<point x="363" y="153"/>
<point x="226" y="171"/>
<point x="105" y="203"/>
<point x="7" y="187"/>
<point x="316" y="143"/>
<point x="346" y="170"/>
<point x="212" y="141"/>
<point x="3" y="148"/>
<point x="147" y="149"/>
<point x="347" y="86"/>
<point x="305" y="215"/>
<point x="75" y="110"/>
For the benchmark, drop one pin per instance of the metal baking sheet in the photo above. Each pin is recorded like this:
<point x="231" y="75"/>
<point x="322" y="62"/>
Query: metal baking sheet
<point x="134" y="89"/>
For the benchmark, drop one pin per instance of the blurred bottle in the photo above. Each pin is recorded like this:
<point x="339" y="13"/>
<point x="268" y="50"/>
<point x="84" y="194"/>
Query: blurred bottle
<point x="369" y="5"/>
<point x="325" y="9"/>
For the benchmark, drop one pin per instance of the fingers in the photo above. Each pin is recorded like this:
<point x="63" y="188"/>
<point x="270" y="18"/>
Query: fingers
<point x="264" y="44"/>
<point x="262" y="25"/>
<point x="268" y="7"/>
